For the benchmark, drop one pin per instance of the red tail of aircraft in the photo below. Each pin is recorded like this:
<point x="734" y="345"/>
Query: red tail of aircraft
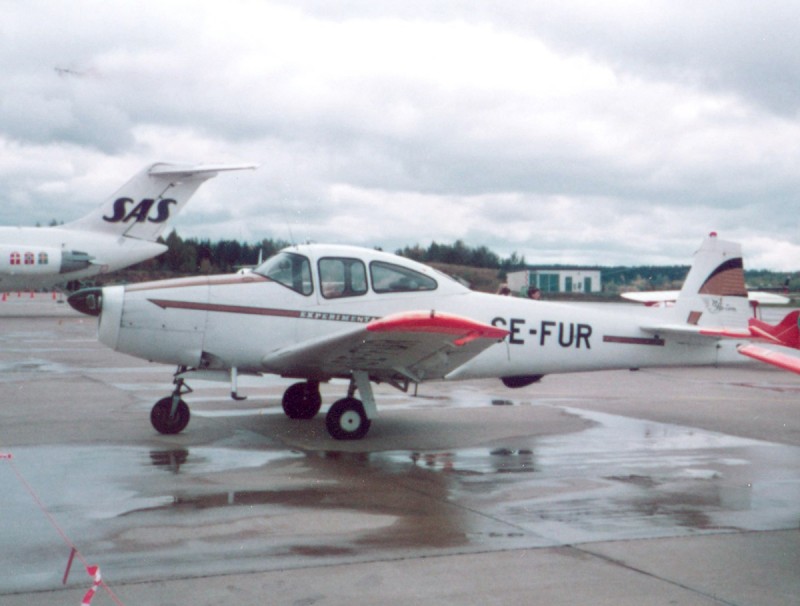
<point x="786" y="332"/>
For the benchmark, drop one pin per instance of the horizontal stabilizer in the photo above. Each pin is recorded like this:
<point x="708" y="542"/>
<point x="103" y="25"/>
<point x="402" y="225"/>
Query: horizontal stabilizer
<point x="697" y="333"/>
<point x="209" y="170"/>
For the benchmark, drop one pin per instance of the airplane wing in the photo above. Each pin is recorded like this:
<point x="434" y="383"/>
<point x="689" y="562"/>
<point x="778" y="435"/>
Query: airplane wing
<point x="651" y="296"/>
<point x="416" y="345"/>
<point x="770" y="356"/>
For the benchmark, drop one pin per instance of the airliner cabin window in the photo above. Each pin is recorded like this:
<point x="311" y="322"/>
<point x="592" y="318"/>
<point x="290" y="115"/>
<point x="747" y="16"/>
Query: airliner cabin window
<point x="289" y="269"/>
<point x="342" y="277"/>
<point x="387" y="277"/>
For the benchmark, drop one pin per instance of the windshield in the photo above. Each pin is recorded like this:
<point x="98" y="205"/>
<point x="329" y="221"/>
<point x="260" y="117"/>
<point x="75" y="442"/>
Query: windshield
<point x="289" y="269"/>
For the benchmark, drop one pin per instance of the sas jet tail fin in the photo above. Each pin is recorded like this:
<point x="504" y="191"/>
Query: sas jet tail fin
<point x="714" y="294"/>
<point x="786" y="332"/>
<point x="141" y="207"/>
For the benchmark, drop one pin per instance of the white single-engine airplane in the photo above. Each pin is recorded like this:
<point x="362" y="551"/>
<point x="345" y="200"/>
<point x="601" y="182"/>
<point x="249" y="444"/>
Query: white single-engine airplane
<point x="318" y="312"/>
<point x="119" y="233"/>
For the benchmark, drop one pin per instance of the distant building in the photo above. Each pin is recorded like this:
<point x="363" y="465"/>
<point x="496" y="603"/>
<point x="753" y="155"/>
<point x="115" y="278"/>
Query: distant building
<point x="556" y="279"/>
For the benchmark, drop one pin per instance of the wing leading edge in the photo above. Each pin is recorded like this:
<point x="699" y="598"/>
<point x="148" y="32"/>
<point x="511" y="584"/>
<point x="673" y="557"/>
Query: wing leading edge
<point x="416" y="345"/>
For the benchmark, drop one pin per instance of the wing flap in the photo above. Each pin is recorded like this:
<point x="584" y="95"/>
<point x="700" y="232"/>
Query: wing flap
<point x="417" y="345"/>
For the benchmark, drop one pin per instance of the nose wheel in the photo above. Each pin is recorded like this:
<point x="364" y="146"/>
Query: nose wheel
<point x="169" y="416"/>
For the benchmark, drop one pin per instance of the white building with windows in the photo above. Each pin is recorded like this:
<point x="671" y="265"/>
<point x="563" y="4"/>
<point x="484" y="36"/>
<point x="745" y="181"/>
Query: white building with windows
<point x="576" y="280"/>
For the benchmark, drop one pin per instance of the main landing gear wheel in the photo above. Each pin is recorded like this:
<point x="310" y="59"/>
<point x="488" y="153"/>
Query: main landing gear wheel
<point x="302" y="400"/>
<point x="165" y="421"/>
<point x="346" y="420"/>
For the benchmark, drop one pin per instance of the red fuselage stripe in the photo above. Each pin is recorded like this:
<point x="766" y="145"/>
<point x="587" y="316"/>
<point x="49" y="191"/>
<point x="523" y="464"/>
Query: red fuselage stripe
<point x="231" y="309"/>
<point x="656" y="341"/>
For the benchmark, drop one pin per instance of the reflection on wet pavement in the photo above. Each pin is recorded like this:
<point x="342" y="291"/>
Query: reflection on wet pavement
<point x="248" y="497"/>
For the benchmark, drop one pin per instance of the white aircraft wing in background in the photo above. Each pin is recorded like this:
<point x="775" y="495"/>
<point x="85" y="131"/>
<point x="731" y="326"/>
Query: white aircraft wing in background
<point x="664" y="297"/>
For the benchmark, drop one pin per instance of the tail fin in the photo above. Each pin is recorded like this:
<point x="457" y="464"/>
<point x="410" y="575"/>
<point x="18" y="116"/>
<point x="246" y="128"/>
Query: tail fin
<point x="714" y="293"/>
<point x="786" y="332"/>
<point x="141" y="207"/>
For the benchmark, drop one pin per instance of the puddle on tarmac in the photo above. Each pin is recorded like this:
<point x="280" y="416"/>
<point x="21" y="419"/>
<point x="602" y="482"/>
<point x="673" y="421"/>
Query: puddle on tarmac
<point x="622" y="478"/>
<point x="96" y="482"/>
<point x="619" y="479"/>
<point x="470" y="461"/>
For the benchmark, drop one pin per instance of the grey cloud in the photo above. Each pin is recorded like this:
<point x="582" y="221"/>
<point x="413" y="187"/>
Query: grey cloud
<point x="641" y="123"/>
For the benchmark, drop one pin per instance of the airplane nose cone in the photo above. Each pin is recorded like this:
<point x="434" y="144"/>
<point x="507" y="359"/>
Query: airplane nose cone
<point x="88" y="301"/>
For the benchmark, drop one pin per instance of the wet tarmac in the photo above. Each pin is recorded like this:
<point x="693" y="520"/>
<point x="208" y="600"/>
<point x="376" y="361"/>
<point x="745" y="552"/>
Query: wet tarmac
<point x="676" y="486"/>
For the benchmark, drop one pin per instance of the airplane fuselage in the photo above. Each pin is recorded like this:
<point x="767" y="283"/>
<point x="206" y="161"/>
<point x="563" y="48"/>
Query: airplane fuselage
<point x="238" y="320"/>
<point x="41" y="257"/>
<point x="318" y="312"/>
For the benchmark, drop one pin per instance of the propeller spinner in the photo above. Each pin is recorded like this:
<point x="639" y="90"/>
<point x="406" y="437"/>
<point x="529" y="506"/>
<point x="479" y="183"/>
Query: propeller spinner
<point x="88" y="301"/>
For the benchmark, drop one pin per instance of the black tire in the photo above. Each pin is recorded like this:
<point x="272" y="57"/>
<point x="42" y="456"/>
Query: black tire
<point x="160" y="416"/>
<point x="302" y="401"/>
<point x="520" y="381"/>
<point x="346" y="420"/>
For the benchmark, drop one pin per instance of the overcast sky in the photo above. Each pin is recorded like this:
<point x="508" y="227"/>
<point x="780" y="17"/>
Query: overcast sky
<point x="571" y="132"/>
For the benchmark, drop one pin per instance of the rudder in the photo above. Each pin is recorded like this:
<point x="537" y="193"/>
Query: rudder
<point x="714" y="293"/>
<point x="141" y="207"/>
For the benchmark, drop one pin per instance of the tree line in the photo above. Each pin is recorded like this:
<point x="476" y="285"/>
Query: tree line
<point x="192" y="255"/>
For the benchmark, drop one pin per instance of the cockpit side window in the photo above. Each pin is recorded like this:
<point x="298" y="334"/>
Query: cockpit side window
<point x="342" y="277"/>
<point x="387" y="277"/>
<point x="289" y="269"/>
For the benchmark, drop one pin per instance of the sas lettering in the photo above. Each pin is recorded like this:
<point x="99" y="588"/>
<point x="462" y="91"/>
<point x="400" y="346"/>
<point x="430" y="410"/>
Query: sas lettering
<point x="140" y="212"/>
<point x="566" y="334"/>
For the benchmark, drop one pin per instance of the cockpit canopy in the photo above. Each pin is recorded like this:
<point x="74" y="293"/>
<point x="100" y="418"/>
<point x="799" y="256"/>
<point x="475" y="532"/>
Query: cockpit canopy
<point x="338" y="274"/>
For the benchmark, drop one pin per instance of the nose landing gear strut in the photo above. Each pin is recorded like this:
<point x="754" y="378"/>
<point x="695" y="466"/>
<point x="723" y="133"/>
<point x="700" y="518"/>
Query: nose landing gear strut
<point x="171" y="415"/>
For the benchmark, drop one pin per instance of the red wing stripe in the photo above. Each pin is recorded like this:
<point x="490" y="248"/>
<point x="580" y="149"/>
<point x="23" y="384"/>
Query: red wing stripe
<point x="465" y="329"/>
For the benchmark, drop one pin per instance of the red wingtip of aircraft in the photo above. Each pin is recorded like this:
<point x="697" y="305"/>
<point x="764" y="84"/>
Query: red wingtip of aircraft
<point x="768" y="356"/>
<point x="464" y="329"/>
